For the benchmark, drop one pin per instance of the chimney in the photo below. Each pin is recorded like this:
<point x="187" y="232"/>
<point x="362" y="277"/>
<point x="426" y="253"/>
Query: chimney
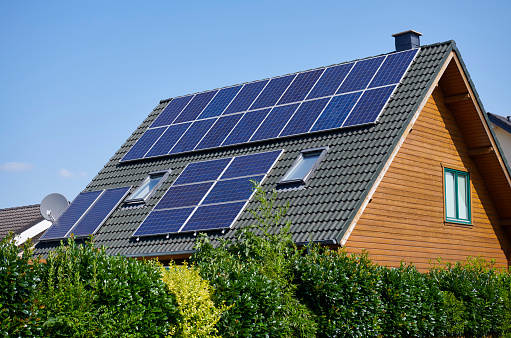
<point x="407" y="40"/>
<point x="509" y="118"/>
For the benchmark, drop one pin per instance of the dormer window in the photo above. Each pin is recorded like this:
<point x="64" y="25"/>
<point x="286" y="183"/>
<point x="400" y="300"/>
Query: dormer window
<point x="148" y="187"/>
<point x="304" y="166"/>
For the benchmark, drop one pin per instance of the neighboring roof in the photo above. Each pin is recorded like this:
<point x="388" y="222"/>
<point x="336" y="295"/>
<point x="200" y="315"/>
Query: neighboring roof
<point x="19" y="219"/>
<point x="502" y="122"/>
<point x="321" y="211"/>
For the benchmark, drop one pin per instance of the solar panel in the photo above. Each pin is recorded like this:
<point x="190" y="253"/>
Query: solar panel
<point x="233" y="115"/>
<point x="195" y="107"/>
<point x="208" y="195"/>
<point x="245" y="97"/>
<point x="218" y="104"/>
<point x="213" y="217"/>
<point x="184" y="195"/>
<point x="167" y="141"/>
<point x="304" y="118"/>
<point x="99" y="212"/>
<point x="192" y="136"/>
<point x="232" y="190"/>
<point x="246" y="127"/>
<point x="172" y="110"/>
<point x="249" y="165"/>
<point x="360" y="75"/>
<point x="369" y="106"/>
<point x="393" y="69"/>
<point x="164" y="221"/>
<point x="202" y="171"/>
<point x="219" y="131"/>
<point x="71" y="215"/>
<point x="144" y="143"/>
<point x="330" y="80"/>
<point x="336" y="112"/>
<point x="272" y="92"/>
<point x="300" y="86"/>
<point x="274" y="122"/>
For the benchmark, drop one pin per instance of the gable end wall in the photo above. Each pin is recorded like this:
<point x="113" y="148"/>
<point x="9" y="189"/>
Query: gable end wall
<point x="405" y="218"/>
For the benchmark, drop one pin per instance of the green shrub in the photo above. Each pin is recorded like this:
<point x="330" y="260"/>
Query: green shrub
<point x="86" y="293"/>
<point x="18" y="282"/>
<point x="253" y="274"/>
<point x="198" y="314"/>
<point x="414" y="305"/>
<point x="478" y="290"/>
<point x="344" y="291"/>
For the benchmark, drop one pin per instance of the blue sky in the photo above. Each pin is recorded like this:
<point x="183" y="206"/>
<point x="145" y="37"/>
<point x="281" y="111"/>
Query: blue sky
<point x="77" y="78"/>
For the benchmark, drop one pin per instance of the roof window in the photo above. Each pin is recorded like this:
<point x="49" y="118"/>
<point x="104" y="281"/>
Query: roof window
<point x="148" y="187"/>
<point x="304" y="166"/>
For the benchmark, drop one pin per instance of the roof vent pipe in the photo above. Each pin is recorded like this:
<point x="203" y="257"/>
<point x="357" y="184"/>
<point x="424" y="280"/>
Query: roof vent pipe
<point x="509" y="118"/>
<point x="407" y="40"/>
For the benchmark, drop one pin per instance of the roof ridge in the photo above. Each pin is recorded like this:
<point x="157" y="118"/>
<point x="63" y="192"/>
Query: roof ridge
<point x="25" y="206"/>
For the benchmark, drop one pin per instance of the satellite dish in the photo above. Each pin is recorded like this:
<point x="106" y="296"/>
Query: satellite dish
<point x="52" y="206"/>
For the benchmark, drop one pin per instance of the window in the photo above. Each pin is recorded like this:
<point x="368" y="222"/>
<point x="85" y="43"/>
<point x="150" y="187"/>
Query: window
<point x="457" y="196"/>
<point x="148" y="187"/>
<point x="304" y="166"/>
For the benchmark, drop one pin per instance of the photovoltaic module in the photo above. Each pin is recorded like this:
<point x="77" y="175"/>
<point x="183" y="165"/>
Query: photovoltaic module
<point x="327" y="98"/>
<point x="208" y="195"/>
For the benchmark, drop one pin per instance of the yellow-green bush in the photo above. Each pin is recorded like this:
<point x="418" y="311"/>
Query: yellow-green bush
<point x="193" y="294"/>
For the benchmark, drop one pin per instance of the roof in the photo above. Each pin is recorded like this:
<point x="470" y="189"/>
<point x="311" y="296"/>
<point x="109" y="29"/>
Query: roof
<point x="502" y="122"/>
<point x="321" y="211"/>
<point x="19" y="219"/>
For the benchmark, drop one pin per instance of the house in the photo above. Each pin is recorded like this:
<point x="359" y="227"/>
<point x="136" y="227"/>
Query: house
<point x="502" y="129"/>
<point x="25" y="222"/>
<point x="393" y="154"/>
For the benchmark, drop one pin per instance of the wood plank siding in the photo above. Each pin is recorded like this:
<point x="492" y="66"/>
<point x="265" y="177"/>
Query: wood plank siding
<point x="405" y="218"/>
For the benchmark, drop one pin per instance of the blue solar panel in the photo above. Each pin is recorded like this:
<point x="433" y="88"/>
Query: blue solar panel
<point x="360" y="75"/>
<point x="193" y="136"/>
<point x="274" y="122"/>
<point x="369" y="106"/>
<point x="330" y="81"/>
<point x="219" y="131"/>
<point x="232" y="190"/>
<point x="246" y="127"/>
<point x="216" y="216"/>
<point x="144" y="143"/>
<point x="245" y="97"/>
<point x="233" y="115"/>
<point x="336" y="112"/>
<point x="301" y="86"/>
<point x="67" y="220"/>
<point x="195" y="107"/>
<point x="184" y="195"/>
<point x="202" y="171"/>
<point x="393" y="68"/>
<point x="249" y="165"/>
<point x="302" y="120"/>
<point x="208" y="195"/>
<point x="218" y="104"/>
<point x="272" y="92"/>
<point x="172" y="110"/>
<point x="168" y="139"/>
<point x="163" y="221"/>
<point x="99" y="212"/>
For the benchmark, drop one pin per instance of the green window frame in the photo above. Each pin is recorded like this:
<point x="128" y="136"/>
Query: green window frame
<point x="457" y="198"/>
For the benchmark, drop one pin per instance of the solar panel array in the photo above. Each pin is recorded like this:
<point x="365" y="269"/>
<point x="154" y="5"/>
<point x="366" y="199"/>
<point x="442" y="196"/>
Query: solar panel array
<point x="327" y="98"/>
<point x="85" y="214"/>
<point x="208" y="195"/>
